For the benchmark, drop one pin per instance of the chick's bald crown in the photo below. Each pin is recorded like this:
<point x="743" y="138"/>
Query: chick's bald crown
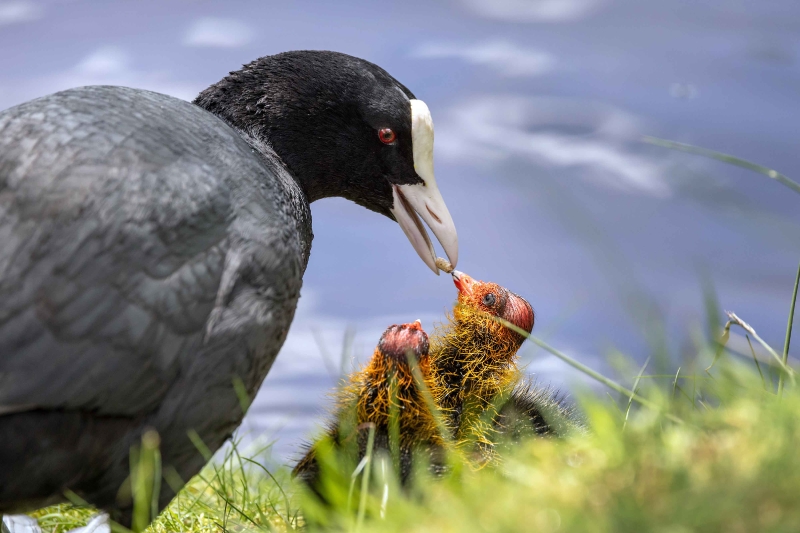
<point x="398" y="340"/>
<point x="387" y="380"/>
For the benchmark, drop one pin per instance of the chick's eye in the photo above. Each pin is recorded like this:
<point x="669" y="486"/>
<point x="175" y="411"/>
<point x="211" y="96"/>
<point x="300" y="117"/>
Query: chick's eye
<point x="386" y="135"/>
<point x="489" y="299"/>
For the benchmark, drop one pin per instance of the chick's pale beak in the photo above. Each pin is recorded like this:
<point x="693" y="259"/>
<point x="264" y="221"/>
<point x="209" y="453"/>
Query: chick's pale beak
<point x="412" y="201"/>
<point x="463" y="282"/>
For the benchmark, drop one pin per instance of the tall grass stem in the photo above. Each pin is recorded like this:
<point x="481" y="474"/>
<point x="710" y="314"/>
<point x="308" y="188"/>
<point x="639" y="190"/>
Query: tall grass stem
<point x="755" y="360"/>
<point x="725" y="158"/>
<point x="733" y="319"/>
<point x="789" y="330"/>
<point x="362" y="504"/>
<point x="635" y="385"/>
<point x="588" y="371"/>
<point x="429" y="402"/>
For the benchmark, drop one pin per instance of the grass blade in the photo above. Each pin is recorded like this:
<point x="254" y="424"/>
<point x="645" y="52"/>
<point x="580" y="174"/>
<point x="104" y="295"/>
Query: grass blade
<point x="199" y="444"/>
<point x="635" y="385"/>
<point x="721" y="343"/>
<point x="394" y="423"/>
<point x="145" y="480"/>
<point x="725" y="158"/>
<point x="241" y="394"/>
<point x="353" y="477"/>
<point x="277" y="484"/>
<point x="586" y="370"/>
<point x="362" y="504"/>
<point x="748" y="328"/>
<point x="429" y="402"/>
<point x="789" y="330"/>
<point x="755" y="360"/>
<point x="675" y="382"/>
<point x="347" y="349"/>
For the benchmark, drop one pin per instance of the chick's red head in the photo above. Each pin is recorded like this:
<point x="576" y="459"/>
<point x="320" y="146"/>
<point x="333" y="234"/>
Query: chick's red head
<point x="390" y="363"/>
<point x="493" y="299"/>
<point x="398" y="340"/>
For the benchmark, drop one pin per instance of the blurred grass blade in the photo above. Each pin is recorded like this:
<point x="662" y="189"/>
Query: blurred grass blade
<point x="199" y="444"/>
<point x="711" y="303"/>
<point x="721" y="343"/>
<point x="241" y="394"/>
<point x="347" y="349"/>
<point x="755" y="360"/>
<point x="789" y="330"/>
<point x="394" y="423"/>
<point x="362" y="504"/>
<point x="385" y="483"/>
<point x="748" y="328"/>
<point x="429" y="402"/>
<point x="353" y="478"/>
<point x="725" y="158"/>
<point x="327" y="358"/>
<point x="586" y="370"/>
<point x="277" y="484"/>
<point x="635" y="385"/>
<point x="145" y="480"/>
<point x="675" y="382"/>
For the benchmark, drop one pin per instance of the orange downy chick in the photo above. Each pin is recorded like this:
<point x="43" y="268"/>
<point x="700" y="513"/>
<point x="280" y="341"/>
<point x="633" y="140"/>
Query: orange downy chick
<point x="371" y="395"/>
<point x="473" y="357"/>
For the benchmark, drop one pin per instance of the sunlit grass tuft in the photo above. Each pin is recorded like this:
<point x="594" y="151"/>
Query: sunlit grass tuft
<point x="731" y="465"/>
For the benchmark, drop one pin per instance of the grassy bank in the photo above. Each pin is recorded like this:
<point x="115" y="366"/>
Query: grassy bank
<point x="726" y="459"/>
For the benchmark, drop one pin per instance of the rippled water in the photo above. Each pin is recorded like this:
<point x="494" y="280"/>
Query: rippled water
<point x="539" y="106"/>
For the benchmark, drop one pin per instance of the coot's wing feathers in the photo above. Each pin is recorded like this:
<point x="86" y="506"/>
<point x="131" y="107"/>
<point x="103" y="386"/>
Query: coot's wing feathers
<point x="115" y="214"/>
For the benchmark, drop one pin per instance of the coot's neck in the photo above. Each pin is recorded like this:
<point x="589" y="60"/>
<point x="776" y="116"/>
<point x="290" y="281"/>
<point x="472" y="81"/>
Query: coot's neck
<point x="279" y="108"/>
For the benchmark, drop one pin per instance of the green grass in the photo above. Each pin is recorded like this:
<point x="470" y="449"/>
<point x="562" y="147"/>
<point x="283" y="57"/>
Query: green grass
<point x="711" y="446"/>
<point x="732" y="465"/>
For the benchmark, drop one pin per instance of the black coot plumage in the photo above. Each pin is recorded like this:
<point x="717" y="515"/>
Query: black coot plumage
<point x="153" y="252"/>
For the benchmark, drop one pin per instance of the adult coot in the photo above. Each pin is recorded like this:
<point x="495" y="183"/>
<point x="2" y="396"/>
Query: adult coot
<point x="153" y="252"/>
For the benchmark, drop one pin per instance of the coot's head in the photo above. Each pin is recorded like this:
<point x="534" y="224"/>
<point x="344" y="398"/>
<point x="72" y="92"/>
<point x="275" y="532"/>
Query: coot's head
<point x="343" y="127"/>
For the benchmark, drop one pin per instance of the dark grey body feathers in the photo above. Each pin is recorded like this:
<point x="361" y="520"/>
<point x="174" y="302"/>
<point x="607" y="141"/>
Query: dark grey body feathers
<point x="149" y="255"/>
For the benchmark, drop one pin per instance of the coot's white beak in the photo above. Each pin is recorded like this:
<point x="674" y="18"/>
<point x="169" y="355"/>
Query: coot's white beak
<point x="424" y="199"/>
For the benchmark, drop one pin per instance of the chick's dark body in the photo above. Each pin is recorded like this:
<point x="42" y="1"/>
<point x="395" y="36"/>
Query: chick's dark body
<point x="535" y="411"/>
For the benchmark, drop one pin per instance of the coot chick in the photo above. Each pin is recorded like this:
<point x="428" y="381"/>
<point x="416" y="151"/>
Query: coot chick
<point x="386" y="385"/>
<point x="473" y="357"/>
<point x="477" y="384"/>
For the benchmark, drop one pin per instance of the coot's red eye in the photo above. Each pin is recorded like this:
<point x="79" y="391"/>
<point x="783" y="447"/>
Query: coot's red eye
<point x="386" y="135"/>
